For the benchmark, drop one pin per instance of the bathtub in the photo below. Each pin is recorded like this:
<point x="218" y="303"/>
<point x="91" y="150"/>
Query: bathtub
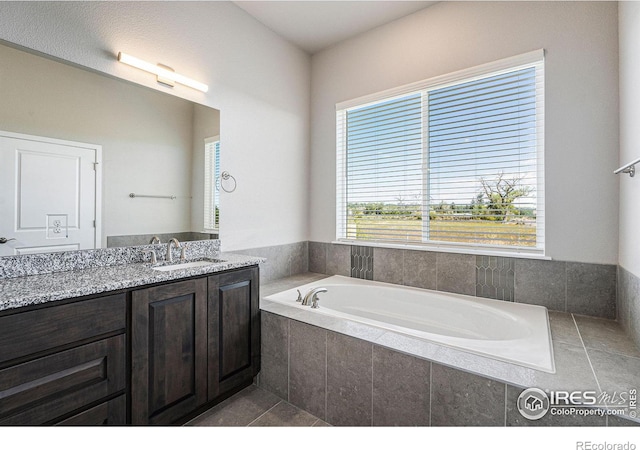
<point x="513" y="332"/>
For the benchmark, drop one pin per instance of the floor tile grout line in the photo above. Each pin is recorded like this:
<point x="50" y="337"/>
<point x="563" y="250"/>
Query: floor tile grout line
<point x="262" y="415"/>
<point x="584" y="347"/>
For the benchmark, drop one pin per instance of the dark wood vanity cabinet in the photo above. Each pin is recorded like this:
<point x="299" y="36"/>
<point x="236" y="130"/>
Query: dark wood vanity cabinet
<point x="192" y="342"/>
<point x="234" y="331"/>
<point x="153" y="355"/>
<point x="59" y="362"/>
<point x="168" y="351"/>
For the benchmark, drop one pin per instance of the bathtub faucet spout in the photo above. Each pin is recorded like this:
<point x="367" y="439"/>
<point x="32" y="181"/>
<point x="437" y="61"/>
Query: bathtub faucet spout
<point x="312" y="297"/>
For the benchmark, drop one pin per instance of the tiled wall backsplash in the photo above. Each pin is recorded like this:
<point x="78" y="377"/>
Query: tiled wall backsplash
<point x="143" y="239"/>
<point x="579" y="288"/>
<point x="629" y="303"/>
<point x="282" y="260"/>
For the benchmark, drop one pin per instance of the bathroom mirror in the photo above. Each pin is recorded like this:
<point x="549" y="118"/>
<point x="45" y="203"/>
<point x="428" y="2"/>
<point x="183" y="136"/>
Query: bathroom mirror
<point x="147" y="143"/>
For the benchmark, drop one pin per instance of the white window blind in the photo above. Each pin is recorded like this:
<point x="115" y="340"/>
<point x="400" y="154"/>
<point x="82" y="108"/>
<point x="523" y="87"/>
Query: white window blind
<point x="211" y="176"/>
<point x="455" y="161"/>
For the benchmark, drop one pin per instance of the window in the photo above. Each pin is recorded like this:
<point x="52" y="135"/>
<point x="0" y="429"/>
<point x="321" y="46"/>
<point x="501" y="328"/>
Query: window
<point x="455" y="161"/>
<point x="211" y="177"/>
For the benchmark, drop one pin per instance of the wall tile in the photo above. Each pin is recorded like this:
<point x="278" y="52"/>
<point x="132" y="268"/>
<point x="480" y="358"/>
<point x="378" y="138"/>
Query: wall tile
<point x="318" y="257"/>
<point x="308" y="368"/>
<point x="591" y="289"/>
<point x="274" y="372"/>
<point x="634" y="307"/>
<point x="400" y="389"/>
<point x="456" y="273"/>
<point x="539" y="282"/>
<point x="338" y="260"/>
<point x="459" y="398"/>
<point x="623" y="311"/>
<point x="495" y="277"/>
<point x="362" y="262"/>
<point x="514" y="418"/>
<point x="299" y="258"/>
<point x="349" y="382"/>
<point x="419" y="269"/>
<point x="388" y="265"/>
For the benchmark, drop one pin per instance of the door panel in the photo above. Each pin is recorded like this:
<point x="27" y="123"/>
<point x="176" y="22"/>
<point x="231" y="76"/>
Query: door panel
<point x="169" y="364"/>
<point x="234" y="333"/>
<point x="50" y="189"/>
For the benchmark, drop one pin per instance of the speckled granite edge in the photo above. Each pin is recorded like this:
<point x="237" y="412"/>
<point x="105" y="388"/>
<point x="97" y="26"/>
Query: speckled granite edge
<point x="43" y="263"/>
<point x="37" y="289"/>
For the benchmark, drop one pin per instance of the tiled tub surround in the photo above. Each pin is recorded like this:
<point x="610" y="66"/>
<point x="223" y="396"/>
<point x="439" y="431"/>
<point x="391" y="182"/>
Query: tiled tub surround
<point x="281" y="260"/>
<point x="109" y="274"/>
<point x="347" y="373"/>
<point x="580" y="288"/>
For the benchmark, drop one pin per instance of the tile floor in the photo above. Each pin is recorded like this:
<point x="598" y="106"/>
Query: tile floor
<point x="255" y="407"/>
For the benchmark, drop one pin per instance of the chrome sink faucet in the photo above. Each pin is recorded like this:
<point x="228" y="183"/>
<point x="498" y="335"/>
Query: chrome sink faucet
<point x="174" y="242"/>
<point x="312" y="297"/>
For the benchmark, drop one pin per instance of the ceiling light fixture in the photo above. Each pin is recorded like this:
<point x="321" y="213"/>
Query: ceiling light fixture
<point x="166" y="75"/>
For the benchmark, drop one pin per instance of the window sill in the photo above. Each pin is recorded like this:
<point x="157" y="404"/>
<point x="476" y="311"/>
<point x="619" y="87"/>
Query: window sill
<point x="511" y="253"/>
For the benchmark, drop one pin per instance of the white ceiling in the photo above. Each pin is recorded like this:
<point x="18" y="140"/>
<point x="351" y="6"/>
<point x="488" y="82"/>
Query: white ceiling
<point x="315" y="25"/>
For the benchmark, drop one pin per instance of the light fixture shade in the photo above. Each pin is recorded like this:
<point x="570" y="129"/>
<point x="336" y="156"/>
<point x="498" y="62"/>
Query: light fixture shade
<point x="161" y="72"/>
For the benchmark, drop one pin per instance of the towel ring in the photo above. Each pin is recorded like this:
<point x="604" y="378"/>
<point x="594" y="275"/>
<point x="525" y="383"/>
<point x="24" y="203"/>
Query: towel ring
<point x="224" y="176"/>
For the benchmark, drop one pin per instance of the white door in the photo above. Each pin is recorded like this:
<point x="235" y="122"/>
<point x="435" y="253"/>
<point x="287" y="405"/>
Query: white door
<point x="49" y="198"/>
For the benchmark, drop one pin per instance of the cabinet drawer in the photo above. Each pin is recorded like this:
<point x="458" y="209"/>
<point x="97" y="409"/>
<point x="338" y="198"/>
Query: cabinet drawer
<point x="113" y="412"/>
<point x="24" y="334"/>
<point x="39" y="391"/>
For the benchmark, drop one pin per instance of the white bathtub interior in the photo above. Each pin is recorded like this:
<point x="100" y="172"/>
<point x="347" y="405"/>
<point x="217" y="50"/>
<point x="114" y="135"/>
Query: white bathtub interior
<point x="506" y="331"/>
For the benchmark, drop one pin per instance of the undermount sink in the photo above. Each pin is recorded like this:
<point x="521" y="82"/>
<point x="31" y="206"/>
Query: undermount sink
<point x="187" y="265"/>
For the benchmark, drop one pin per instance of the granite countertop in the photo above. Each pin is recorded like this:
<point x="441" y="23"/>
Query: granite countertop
<point x="36" y="289"/>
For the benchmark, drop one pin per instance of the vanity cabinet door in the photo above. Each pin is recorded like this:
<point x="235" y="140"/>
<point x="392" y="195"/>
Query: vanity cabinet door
<point x="168" y="351"/>
<point x="234" y="330"/>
